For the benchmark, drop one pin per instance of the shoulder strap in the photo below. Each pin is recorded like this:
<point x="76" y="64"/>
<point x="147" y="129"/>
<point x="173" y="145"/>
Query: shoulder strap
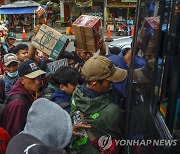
<point x="2" y="93"/>
<point x="8" y="101"/>
<point x="2" y="84"/>
<point x="20" y="96"/>
<point x="46" y="91"/>
<point x="5" y="47"/>
<point x="64" y="104"/>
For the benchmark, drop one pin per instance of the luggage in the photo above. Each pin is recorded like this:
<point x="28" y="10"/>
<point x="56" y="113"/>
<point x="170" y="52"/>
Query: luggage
<point x="147" y="39"/>
<point x="88" y="33"/>
<point x="50" y="42"/>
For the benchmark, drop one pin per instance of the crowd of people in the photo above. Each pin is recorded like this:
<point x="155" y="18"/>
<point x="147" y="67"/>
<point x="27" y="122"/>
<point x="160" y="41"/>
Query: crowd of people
<point x="64" y="112"/>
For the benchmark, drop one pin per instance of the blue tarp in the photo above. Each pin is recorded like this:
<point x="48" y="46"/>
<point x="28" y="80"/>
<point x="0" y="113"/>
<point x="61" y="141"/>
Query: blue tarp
<point x="23" y="10"/>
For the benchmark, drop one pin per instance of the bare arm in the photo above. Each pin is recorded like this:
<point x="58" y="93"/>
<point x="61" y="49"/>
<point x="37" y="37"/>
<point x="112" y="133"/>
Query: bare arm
<point x="103" y="49"/>
<point x="32" y="54"/>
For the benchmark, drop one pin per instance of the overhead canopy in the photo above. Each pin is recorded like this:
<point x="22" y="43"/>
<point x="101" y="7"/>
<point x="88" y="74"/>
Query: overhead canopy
<point x="25" y="10"/>
<point x="19" y="7"/>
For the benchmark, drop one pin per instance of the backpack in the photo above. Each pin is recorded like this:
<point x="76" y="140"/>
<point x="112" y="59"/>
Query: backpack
<point x="8" y="101"/>
<point x="2" y="94"/>
<point x="47" y="92"/>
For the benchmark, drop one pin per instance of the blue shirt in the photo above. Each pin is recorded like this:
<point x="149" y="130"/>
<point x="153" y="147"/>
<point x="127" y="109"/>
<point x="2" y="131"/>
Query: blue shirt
<point x="62" y="99"/>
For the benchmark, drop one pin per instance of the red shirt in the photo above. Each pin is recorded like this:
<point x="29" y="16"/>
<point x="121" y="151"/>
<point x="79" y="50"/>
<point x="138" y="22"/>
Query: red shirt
<point x="1" y="68"/>
<point x="4" y="140"/>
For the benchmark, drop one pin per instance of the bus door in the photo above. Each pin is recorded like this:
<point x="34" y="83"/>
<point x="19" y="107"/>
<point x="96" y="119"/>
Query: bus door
<point x="153" y="93"/>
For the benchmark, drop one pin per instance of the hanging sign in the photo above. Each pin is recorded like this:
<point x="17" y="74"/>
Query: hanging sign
<point x="83" y="3"/>
<point x="128" y="0"/>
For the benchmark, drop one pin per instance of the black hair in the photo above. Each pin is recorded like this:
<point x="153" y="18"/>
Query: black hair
<point x="30" y="38"/>
<point x="68" y="55"/>
<point x="19" y="47"/>
<point x="114" y="50"/>
<point x="124" y="51"/>
<point x="65" y="75"/>
<point x="75" y="43"/>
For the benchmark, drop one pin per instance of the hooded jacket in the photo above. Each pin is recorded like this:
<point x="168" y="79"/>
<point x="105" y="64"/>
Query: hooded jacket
<point x="104" y="116"/>
<point x="62" y="99"/>
<point x="15" y="113"/>
<point x="120" y="87"/>
<point x="48" y="122"/>
<point x="28" y="144"/>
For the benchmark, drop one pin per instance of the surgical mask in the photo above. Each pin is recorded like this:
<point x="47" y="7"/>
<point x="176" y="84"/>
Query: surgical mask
<point x="12" y="75"/>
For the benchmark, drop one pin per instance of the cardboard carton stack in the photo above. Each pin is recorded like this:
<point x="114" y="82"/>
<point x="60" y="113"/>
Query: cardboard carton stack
<point x="148" y="36"/>
<point x="50" y="42"/>
<point x="88" y="33"/>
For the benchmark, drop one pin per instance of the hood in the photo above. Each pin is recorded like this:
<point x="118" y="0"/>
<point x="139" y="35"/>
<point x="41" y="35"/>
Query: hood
<point x="18" y="88"/>
<point x="25" y="143"/>
<point x="49" y="123"/>
<point x="60" y="96"/>
<point x="118" y="61"/>
<point x="86" y="103"/>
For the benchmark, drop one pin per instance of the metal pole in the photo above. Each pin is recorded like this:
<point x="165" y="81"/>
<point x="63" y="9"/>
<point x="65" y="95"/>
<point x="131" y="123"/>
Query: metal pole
<point x="129" y="86"/>
<point x="34" y="19"/>
<point x="59" y="10"/>
<point x="105" y="12"/>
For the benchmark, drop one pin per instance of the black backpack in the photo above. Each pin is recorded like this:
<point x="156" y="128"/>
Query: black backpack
<point x="47" y="92"/>
<point x="2" y="94"/>
<point x="8" y="101"/>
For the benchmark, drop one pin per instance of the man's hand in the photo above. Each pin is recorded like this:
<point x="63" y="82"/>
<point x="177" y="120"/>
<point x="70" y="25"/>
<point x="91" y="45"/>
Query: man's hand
<point x="103" y="49"/>
<point x="76" y="128"/>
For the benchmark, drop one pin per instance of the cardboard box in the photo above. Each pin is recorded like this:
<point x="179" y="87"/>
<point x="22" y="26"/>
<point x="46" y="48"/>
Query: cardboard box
<point x="50" y="42"/>
<point x="53" y="66"/>
<point x="147" y="39"/>
<point x="88" y="33"/>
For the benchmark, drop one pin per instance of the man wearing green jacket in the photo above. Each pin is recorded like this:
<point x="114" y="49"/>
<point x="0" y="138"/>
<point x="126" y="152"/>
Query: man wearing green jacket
<point x="92" y="104"/>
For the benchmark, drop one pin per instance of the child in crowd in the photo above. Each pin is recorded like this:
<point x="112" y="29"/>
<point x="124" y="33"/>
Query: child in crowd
<point x="66" y="79"/>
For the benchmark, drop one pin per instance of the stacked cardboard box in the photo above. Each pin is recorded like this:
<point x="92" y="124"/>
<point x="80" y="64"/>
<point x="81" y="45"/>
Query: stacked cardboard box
<point x="88" y="33"/>
<point x="148" y="36"/>
<point x="50" y="42"/>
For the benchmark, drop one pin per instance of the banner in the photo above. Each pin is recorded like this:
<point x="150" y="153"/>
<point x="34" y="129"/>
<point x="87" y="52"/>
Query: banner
<point x="128" y="0"/>
<point x="83" y="3"/>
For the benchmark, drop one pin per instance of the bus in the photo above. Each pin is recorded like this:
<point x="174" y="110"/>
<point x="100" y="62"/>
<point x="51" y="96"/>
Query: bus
<point x="153" y="104"/>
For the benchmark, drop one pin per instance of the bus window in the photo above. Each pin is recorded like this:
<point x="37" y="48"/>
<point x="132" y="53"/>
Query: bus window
<point x="150" y="101"/>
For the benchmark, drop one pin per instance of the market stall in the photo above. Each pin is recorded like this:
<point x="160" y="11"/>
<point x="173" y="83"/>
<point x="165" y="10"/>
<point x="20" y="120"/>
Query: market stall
<point x="20" y="14"/>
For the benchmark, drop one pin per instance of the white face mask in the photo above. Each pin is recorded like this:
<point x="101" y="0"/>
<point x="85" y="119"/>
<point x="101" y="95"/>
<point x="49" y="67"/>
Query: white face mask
<point x="12" y="75"/>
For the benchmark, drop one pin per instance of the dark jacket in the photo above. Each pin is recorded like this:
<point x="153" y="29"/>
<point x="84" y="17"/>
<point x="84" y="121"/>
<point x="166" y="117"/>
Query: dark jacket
<point x="104" y="116"/>
<point x="15" y="114"/>
<point x="118" y="61"/>
<point x="5" y="49"/>
<point x="76" y="57"/>
<point x="62" y="99"/>
<point x="6" y="84"/>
